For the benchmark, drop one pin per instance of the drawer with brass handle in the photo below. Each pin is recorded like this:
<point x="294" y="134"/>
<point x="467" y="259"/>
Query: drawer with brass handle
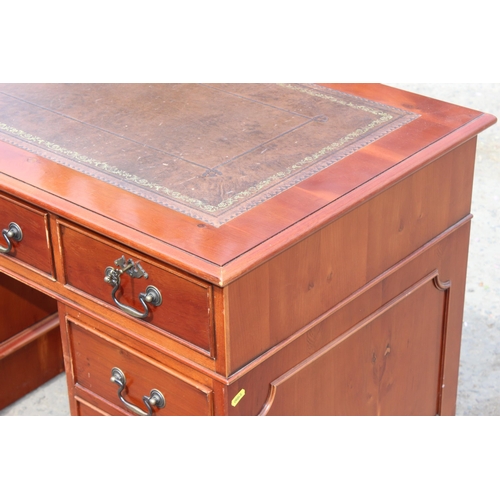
<point x="25" y="234"/>
<point x="137" y="286"/>
<point x="109" y="374"/>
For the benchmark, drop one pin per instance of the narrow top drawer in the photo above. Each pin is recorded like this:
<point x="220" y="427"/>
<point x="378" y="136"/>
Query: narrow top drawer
<point x="185" y="308"/>
<point x="25" y="234"/>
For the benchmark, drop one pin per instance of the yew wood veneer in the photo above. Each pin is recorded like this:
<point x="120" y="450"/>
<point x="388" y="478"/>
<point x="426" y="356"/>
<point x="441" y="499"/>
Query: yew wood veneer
<point x="234" y="249"/>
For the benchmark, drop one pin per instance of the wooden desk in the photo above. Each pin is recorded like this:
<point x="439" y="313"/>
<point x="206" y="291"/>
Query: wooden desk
<point x="287" y="249"/>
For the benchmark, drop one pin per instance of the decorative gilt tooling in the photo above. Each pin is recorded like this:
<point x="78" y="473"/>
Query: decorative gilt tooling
<point x="209" y="151"/>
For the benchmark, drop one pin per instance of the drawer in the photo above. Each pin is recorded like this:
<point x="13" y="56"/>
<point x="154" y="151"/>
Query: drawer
<point x="186" y="303"/>
<point x="30" y="242"/>
<point x="94" y="355"/>
<point x="86" y="409"/>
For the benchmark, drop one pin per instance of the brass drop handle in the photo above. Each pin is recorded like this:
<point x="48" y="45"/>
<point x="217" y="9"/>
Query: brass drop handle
<point x="151" y="296"/>
<point x="15" y="233"/>
<point x="155" y="397"/>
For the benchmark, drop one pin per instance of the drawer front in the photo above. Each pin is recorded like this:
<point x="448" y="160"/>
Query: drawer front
<point x="33" y="247"/>
<point x="186" y="303"/>
<point x="94" y="355"/>
<point x="86" y="409"/>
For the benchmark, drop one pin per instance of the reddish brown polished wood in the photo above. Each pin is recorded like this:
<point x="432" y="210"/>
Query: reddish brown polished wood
<point x="35" y="250"/>
<point x="341" y="295"/>
<point x="186" y="309"/>
<point x="94" y="355"/>
<point x="29" y="359"/>
<point x="220" y="254"/>
<point x="22" y="306"/>
<point x="30" y="341"/>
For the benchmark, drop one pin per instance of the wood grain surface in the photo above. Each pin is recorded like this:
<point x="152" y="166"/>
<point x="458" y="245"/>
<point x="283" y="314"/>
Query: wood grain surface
<point x="341" y="294"/>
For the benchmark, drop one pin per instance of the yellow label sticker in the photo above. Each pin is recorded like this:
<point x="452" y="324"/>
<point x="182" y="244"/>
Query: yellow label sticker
<point x="238" y="397"/>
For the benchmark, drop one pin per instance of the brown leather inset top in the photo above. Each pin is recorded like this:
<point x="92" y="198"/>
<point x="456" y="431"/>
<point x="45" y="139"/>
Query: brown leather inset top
<point x="211" y="151"/>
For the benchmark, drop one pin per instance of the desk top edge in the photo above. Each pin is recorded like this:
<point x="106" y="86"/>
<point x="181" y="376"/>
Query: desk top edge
<point x="221" y="254"/>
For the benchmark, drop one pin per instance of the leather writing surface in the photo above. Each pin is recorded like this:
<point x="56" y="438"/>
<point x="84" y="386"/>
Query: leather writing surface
<point x="211" y="151"/>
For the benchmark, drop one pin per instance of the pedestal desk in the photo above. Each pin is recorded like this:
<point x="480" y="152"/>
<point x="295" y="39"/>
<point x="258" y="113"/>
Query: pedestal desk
<point x="230" y="249"/>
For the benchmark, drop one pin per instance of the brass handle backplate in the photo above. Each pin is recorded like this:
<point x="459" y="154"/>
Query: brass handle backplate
<point x="14" y="232"/>
<point x="151" y="296"/>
